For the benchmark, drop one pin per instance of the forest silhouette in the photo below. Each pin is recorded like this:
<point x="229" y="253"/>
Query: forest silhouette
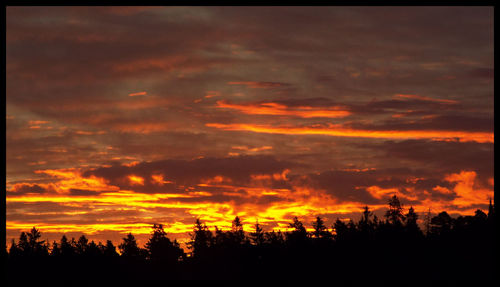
<point x="393" y="247"/>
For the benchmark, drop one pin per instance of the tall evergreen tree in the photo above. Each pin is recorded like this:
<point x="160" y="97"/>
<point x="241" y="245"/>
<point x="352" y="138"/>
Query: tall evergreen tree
<point x="258" y="237"/>
<point x="129" y="247"/>
<point x="320" y="229"/>
<point x="201" y="239"/>
<point x="395" y="213"/>
<point x="160" y="248"/>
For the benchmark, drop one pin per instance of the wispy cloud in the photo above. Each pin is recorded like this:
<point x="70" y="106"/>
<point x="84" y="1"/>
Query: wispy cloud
<point x="332" y="130"/>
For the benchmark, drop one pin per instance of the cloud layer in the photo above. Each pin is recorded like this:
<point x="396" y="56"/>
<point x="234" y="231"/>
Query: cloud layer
<point x="119" y="117"/>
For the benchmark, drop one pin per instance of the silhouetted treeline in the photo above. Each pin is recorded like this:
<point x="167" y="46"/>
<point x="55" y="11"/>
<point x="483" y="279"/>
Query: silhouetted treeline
<point x="392" y="247"/>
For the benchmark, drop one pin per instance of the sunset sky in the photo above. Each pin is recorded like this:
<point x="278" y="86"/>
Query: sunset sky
<point x="121" y="117"/>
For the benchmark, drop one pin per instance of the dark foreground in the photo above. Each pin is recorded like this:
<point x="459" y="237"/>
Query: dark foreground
<point x="393" y="248"/>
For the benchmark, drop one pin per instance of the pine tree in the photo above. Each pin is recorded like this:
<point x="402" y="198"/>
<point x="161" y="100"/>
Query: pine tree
<point x="257" y="237"/>
<point x="238" y="235"/>
<point x="320" y="229"/>
<point x="201" y="239"/>
<point x="160" y="248"/>
<point x="395" y="213"/>
<point x="129" y="248"/>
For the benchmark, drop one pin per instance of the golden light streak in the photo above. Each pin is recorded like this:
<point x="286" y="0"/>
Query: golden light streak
<point x="36" y="123"/>
<point x="271" y="108"/>
<point x="255" y="149"/>
<point x="462" y="136"/>
<point x="137" y="94"/>
<point x="423" y="98"/>
<point x="124" y="198"/>
<point x="135" y="228"/>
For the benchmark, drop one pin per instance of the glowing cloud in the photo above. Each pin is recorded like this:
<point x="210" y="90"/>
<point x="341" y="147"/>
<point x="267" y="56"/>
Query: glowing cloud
<point x="136" y="180"/>
<point x="467" y="193"/>
<point x="255" y="149"/>
<point x="72" y="179"/>
<point x="423" y="98"/>
<point x="159" y="180"/>
<point x="271" y="108"/>
<point x="462" y="136"/>
<point x="137" y="94"/>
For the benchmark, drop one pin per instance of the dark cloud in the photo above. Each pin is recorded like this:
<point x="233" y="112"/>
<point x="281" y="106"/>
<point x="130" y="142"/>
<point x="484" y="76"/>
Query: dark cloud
<point x="82" y="192"/>
<point x="191" y="172"/>
<point x="437" y="122"/>
<point x="22" y="188"/>
<point x="351" y="185"/>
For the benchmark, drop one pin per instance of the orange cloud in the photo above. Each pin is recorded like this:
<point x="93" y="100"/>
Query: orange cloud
<point x="37" y="122"/>
<point x="159" y="180"/>
<point x="255" y="149"/>
<point x="215" y="180"/>
<point x="259" y="201"/>
<point x="72" y="179"/>
<point x="335" y="130"/>
<point x="271" y="108"/>
<point x="137" y="94"/>
<point x="467" y="193"/>
<point x="136" y="180"/>
<point x="380" y="193"/>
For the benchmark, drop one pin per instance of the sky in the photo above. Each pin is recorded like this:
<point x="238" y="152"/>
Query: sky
<point x="121" y="117"/>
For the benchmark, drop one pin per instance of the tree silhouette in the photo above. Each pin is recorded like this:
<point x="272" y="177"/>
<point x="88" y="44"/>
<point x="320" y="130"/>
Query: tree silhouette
<point x="82" y="245"/>
<point x="341" y="230"/>
<point x="275" y="238"/>
<point x="298" y="235"/>
<point x="201" y="239"/>
<point x="160" y="248"/>
<point x="29" y="244"/>
<point x="237" y="233"/>
<point x="366" y="225"/>
<point x="441" y="224"/>
<point x="93" y="250"/>
<point x="56" y="250"/>
<point x="395" y="213"/>
<point x="14" y="250"/>
<point x="320" y="229"/>
<point x="458" y="247"/>
<point x="110" y="250"/>
<point x="411" y="224"/>
<point x="23" y="245"/>
<point x="258" y="237"/>
<point x="68" y="248"/>
<point x="129" y="248"/>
